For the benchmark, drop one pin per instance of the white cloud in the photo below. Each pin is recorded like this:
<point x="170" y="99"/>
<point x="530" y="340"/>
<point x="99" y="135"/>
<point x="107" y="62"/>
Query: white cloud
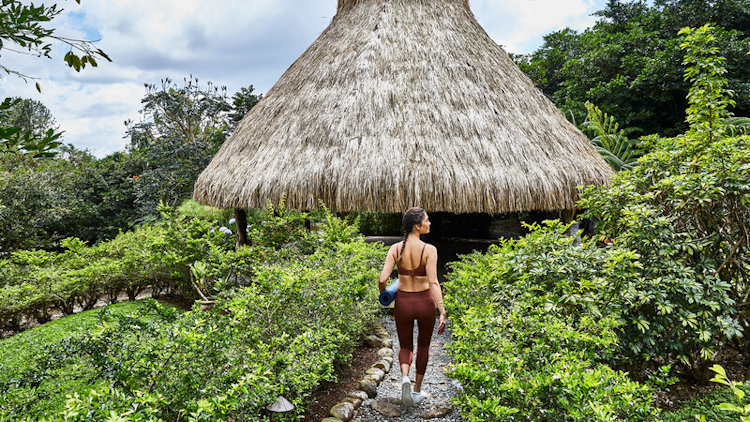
<point x="230" y="42"/>
<point x="99" y="114"/>
<point x="519" y="25"/>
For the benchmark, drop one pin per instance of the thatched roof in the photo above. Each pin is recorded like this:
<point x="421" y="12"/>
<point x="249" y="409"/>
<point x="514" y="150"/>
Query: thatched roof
<point x="403" y="103"/>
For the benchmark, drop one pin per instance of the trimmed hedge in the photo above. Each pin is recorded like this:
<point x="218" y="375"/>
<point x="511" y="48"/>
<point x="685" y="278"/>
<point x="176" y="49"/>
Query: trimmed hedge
<point x="156" y="256"/>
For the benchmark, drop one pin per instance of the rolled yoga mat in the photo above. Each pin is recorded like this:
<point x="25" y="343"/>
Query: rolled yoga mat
<point x="389" y="294"/>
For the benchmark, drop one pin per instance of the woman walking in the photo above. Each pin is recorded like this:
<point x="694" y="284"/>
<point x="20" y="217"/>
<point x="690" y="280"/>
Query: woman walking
<point x="418" y="294"/>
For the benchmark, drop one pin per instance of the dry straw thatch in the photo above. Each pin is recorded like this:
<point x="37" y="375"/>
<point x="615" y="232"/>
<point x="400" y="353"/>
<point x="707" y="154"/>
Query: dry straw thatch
<point x="401" y="103"/>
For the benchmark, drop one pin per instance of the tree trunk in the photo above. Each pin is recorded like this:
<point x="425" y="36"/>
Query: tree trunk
<point x="566" y="216"/>
<point x="133" y="292"/>
<point x="240" y="221"/>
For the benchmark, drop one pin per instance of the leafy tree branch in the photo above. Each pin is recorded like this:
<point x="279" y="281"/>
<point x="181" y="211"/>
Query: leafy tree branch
<point x="25" y="29"/>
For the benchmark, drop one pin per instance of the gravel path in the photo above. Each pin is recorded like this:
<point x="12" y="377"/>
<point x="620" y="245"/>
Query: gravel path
<point x="438" y="387"/>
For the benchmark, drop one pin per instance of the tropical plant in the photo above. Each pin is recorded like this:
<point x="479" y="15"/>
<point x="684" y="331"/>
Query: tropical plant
<point x="199" y="279"/>
<point x="629" y="62"/>
<point x="684" y="206"/>
<point x="739" y="125"/>
<point x="741" y="409"/>
<point x="613" y="143"/>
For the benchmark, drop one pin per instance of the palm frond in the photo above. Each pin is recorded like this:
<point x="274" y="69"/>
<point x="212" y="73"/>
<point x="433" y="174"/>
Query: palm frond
<point x="612" y="142"/>
<point x="738" y="125"/>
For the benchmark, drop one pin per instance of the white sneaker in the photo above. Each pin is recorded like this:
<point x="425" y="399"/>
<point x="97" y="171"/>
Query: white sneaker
<point x="418" y="397"/>
<point x="406" y="398"/>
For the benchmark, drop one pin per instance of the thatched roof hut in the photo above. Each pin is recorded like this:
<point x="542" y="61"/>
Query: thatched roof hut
<point x="401" y="103"/>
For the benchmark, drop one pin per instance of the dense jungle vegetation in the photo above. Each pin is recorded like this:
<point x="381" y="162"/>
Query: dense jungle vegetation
<point x="629" y="63"/>
<point x="548" y="327"/>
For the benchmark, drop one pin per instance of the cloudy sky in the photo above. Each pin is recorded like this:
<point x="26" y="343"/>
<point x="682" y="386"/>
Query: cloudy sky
<point x="233" y="43"/>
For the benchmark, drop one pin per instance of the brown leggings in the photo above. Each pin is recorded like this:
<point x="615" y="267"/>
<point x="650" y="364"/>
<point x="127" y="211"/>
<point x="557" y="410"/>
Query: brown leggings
<point x="410" y="306"/>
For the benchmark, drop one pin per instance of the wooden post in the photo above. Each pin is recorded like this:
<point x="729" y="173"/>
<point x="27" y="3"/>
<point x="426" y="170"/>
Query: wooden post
<point x="240" y="221"/>
<point x="567" y="216"/>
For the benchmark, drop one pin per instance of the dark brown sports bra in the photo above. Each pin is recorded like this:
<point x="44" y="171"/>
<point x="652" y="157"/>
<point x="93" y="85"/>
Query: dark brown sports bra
<point x="421" y="270"/>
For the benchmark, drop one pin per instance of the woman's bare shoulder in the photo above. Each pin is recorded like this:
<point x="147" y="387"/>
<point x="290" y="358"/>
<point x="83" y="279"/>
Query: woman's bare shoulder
<point x="394" y="247"/>
<point x="430" y="248"/>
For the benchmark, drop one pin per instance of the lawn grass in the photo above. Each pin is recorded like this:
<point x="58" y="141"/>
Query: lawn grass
<point x="20" y="354"/>
<point x="16" y="352"/>
<point x="706" y="406"/>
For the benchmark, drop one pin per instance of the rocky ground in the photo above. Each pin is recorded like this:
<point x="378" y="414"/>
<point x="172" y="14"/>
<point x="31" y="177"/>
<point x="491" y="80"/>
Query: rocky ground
<point x="386" y="406"/>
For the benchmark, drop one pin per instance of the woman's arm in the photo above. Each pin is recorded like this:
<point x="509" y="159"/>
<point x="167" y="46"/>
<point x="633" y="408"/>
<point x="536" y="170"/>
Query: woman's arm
<point x="390" y="262"/>
<point x="435" y="290"/>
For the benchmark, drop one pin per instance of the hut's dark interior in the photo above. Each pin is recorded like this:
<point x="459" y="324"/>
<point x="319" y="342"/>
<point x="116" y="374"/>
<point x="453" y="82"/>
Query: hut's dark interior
<point x="460" y="234"/>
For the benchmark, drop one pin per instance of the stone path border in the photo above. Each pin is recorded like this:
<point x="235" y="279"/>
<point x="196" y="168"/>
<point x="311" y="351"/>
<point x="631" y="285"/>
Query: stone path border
<point x="345" y="410"/>
<point x="380" y="389"/>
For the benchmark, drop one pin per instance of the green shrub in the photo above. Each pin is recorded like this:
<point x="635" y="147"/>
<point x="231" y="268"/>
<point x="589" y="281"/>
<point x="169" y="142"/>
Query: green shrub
<point x="529" y="365"/>
<point x="534" y="318"/>
<point x="281" y="329"/>
<point x="26" y="206"/>
<point x="192" y="209"/>
<point x="155" y="256"/>
<point x="715" y="406"/>
<point x="684" y="209"/>
<point x="43" y="201"/>
<point x="38" y="367"/>
<point x="379" y="224"/>
<point x="534" y="321"/>
<point x="334" y="229"/>
<point x="672" y="312"/>
<point x="278" y="227"/>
